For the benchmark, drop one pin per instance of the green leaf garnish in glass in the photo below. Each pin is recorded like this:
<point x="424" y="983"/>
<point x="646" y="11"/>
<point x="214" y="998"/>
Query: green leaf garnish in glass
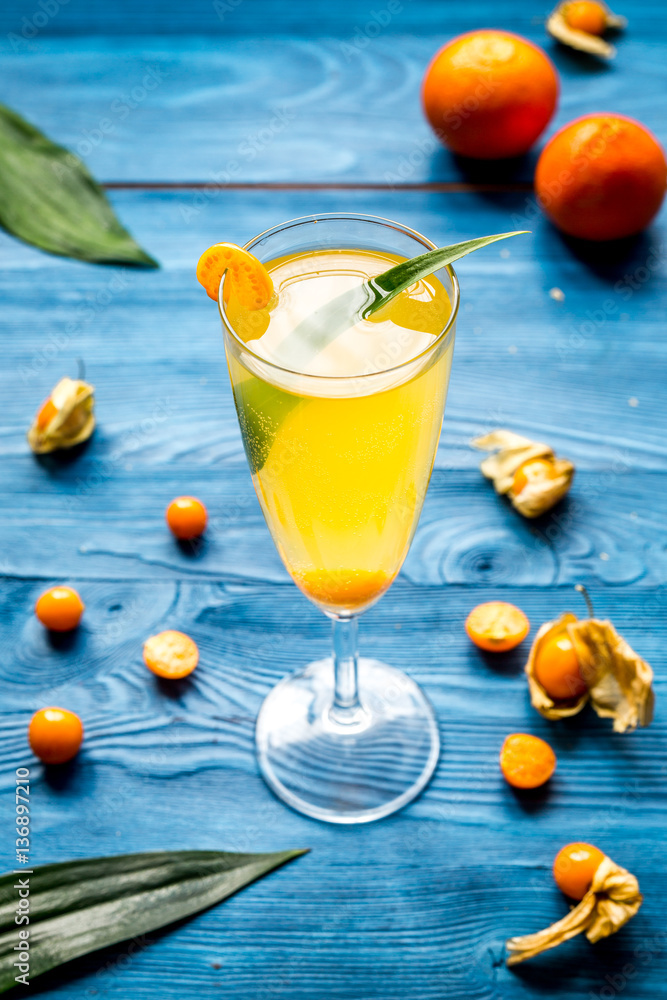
<point x="266" y="406"/>
<point x="391" y="283"/>
<point x="48" y="198"/>
<point x="321" y="327"/>
<point x="81" y="906"/>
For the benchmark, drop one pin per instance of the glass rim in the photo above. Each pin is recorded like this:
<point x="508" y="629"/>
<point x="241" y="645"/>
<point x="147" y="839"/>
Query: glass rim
<point x="350" y="217"/>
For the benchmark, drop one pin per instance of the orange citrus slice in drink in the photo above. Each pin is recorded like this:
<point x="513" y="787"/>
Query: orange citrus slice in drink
<point x="248" y="278"/>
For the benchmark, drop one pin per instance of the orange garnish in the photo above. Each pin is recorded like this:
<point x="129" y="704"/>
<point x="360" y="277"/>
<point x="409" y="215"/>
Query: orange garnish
<point x="55" y="735"/>
<point x="574" y="868"/>
<point x="249" y="279"/>
<point x="46" y="414"/>
<point x="526" y="761"/>
<point x="171" y="654"/>
<point x="497" y="626"/>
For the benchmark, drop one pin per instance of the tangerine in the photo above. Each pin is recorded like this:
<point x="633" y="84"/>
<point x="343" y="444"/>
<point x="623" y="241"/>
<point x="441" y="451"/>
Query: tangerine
<point x="602" y="177"/>
<point x="489" y="94"/>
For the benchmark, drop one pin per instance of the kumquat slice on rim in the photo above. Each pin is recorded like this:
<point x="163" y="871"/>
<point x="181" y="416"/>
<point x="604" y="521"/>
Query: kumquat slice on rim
<point x="249" y="279"/>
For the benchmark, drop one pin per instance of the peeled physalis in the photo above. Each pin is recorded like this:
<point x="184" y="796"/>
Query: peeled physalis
<point x="64" y="419"/>
<point x="526" y="761"/>
<point x="581" y="23"/>
<point x="610" y="899"/>
<point x="572" y="662"/>
<point x="527" y="471"/>
<point x="249" y="281"/>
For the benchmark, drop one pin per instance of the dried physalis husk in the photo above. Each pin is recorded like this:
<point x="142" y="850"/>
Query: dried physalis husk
<point x="611" y="901"/>
<point x="549" y="480"/>
<point x="66" y="418"/>
<point x="618" y="681"/>
<point x="580" y="25"/>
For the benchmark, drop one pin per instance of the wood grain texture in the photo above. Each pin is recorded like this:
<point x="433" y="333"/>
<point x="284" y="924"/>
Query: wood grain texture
<point x="422" y="900"/>
<point x="419" y="904"/>
<point x="268" y="107"/>
<point x="263" y="17"/>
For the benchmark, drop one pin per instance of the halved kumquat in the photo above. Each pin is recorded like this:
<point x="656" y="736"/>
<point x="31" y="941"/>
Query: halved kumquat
<point x="497" y="626"/>
<point x="526" y="761"/>
<point x="249" y="279"/>
<point x="171" y="654"/>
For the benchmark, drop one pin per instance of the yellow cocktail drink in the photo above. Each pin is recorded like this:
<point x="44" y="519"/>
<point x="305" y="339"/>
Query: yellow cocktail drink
<point x="340" y="420"/>
<point x="340" y="401"/>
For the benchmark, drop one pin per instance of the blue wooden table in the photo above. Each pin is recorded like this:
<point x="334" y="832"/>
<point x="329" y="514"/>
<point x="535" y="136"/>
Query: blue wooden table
<point x="213" y="121"/>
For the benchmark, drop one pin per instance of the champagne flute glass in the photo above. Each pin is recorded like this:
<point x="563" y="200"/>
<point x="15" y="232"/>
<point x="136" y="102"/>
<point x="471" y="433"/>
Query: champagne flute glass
<point x="340" y="428"/>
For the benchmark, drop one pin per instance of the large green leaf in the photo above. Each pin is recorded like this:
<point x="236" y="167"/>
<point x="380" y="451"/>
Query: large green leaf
<point x="391" y="283"/>
<point x="80" y="906"/>
<point x="49" y="198"/>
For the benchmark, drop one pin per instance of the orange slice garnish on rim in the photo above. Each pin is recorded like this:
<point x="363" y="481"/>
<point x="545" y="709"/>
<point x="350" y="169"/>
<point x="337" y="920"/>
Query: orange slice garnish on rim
<point x="249" y="280"/>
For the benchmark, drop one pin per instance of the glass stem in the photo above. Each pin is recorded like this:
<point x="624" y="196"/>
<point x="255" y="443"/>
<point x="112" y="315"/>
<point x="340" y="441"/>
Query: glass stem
<point x="346" y="706"/>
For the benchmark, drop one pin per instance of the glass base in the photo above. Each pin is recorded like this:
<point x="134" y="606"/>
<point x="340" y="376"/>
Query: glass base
<point x="353" y="766"/>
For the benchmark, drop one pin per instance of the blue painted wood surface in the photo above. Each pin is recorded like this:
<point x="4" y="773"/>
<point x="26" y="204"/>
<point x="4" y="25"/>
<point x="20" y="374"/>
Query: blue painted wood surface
<point x="419" y="904"/>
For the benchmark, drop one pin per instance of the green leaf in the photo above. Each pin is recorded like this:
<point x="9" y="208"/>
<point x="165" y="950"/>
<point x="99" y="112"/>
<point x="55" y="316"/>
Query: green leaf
<point x="391" y="283"/>
<point x="48" y="198"/>
<point x="80" y="906"/>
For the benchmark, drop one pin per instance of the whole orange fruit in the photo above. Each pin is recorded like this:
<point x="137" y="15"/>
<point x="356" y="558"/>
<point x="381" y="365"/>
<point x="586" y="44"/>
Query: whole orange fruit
<point x="601" y="177"/>
<point x="489" y="94"/>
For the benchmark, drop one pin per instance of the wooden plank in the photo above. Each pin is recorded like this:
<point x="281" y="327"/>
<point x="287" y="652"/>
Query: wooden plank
<point x="263" y="17"/>
<point x="265" y="108"/>
<point x="416" y="905"/>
